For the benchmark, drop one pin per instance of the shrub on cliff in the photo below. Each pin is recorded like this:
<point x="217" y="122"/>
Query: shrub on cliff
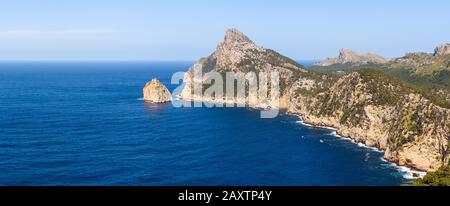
<point x="438" y="178"/>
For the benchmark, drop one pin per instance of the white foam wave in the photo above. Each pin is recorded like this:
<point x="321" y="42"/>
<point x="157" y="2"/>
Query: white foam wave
<point x="304" y="124"/>
<point x="406" y="172"/>
<point x="370" y="148"/>
<point x="330" y="128"/>
<point x="316" y="126"/>
<point x="334" y="133"/>
<point x="140" y="99"/>
<point x="411" y="174"/>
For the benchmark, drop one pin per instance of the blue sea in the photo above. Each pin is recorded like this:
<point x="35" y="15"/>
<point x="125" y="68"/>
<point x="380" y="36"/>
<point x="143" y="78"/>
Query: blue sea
<point x="84" y="123"/>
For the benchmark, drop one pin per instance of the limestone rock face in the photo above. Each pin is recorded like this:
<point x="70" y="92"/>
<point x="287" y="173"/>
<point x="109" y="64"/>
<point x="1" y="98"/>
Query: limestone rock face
<point x="379" y="113"/>
<point x="239" y="54"/>
<point x="349" y="56"/>
<point x="156" y="92"/>
<point x="367" y="106"/>
<point x="442" y="50"/>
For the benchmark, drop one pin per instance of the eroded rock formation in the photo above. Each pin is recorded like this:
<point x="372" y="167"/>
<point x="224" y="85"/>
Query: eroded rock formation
<point x="367" y="106"/>
<point x="156" y="92"/>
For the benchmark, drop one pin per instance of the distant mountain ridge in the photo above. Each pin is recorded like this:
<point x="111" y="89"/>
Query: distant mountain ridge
<point x="349" y="56"/>
<point x="429" y="71"/>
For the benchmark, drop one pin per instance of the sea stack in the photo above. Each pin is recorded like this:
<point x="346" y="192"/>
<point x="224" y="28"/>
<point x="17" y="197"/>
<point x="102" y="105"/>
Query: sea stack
<point x="156" y="92"/>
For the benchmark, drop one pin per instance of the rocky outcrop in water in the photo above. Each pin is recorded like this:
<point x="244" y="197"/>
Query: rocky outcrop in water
<point x="367" y="106"/>
<point x="349" y="56"/>
<point x="442" y="50"/>
<point x="156" y="92"/>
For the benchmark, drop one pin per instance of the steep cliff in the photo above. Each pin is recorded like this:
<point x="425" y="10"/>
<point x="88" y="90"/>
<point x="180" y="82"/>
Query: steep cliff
<point x="367" y="106"/>
<point x="429" y="73"/>
<point x="379" y="111"/>
<point x="237" y="53"/>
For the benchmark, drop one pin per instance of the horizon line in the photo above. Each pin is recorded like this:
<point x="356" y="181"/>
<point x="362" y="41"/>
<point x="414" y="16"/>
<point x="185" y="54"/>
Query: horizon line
<point x="92" y="60"/>
<point x="114" y="60"/>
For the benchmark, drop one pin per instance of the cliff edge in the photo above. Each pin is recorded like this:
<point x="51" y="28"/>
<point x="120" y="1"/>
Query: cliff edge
<point x="367" y="106"/>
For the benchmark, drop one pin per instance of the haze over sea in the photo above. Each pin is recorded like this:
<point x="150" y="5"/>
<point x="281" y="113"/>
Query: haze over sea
<point x="83" y="123"/>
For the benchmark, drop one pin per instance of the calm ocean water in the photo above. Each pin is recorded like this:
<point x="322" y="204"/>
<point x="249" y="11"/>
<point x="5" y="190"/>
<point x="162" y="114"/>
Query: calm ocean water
<point x="69" y="123"/>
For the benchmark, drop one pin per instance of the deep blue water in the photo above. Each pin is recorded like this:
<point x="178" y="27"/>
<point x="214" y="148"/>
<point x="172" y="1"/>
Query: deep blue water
<point x="308" y="63"/>
<point x="71" y="123"/>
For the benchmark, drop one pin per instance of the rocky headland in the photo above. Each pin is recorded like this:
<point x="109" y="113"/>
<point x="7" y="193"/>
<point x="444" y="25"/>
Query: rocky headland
<point x="367" y="105"/>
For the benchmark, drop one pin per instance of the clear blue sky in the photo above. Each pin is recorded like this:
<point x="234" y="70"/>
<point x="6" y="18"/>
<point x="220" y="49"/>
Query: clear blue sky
<point x="188" y="30"/>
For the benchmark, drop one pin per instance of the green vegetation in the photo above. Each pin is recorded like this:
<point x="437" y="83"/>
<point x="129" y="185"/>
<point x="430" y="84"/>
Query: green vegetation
<point x="382" y="90"/>
<point x="413" y="123"/>
<point x="385" y="89"/>
<point x="423" y="73"/>
<point x="327" y="105"/>
<point x="343" y="69"/>
<point x="379" y="83"/>
<point x="438" y="178"/>
<point x="421" y="63"/>
<point x="278" y="59"/>
<point x="406" y="129"/>
<point x="353" y="115"/>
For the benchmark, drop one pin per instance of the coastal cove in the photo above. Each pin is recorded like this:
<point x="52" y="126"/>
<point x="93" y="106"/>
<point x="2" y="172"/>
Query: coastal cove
<point x="409" y="173"/>
<point x="86" y="124"/>
<point x="369" y="105"/>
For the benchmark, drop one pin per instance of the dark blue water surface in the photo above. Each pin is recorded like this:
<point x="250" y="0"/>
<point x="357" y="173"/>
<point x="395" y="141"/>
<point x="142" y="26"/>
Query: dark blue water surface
<point x="72" y="123"/>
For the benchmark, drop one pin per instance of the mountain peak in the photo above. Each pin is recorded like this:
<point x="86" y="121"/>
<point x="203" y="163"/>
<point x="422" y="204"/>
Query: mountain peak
<point x="236" y="36"/>
<point x="346" y="54"/>
<point x="442" y="50"/>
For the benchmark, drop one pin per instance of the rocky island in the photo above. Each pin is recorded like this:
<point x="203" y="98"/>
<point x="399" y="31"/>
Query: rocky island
<point x="156" y="92"/>
<point x="367" y="105"/>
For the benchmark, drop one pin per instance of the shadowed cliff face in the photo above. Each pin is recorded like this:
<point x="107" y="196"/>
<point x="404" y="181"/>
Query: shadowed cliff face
<point x="367" y="106"/>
